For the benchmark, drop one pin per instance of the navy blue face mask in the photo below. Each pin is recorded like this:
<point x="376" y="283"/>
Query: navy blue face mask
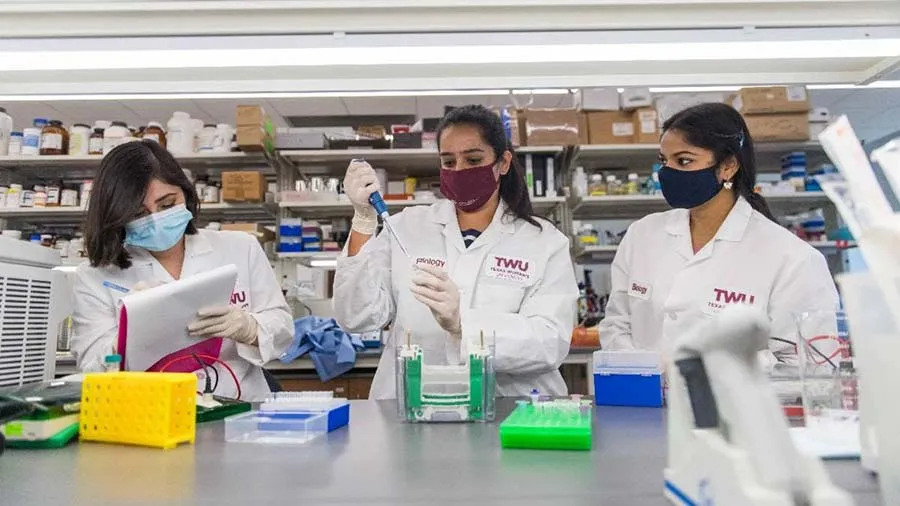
<point x="687" y="189"/>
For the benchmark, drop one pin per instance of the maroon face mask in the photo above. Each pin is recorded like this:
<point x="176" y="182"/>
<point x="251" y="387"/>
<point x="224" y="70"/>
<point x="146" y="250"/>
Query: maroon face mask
<point x="469" y="189"/>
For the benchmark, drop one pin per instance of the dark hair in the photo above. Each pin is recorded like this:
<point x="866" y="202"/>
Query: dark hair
<point x="722" y="130"/>
<point x="118" y="195"/>
<point x="513" y="189"/>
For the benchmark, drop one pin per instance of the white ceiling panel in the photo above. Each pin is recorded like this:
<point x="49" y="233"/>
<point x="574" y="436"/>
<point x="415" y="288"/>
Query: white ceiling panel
<point x="384" y="105"/>
<point x="152" y="110"/>
<point x="307" y="106"/>
<point x="88" y="112"/>
<point x="24" y="112"/>
<point x="828" y="98"/>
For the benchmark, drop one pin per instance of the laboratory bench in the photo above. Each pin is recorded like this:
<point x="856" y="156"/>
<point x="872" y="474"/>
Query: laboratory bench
<point x="376" y="460"/>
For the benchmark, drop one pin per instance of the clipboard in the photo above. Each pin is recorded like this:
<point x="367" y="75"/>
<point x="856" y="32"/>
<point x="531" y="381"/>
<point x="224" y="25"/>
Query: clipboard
<point x="153" y="323"/>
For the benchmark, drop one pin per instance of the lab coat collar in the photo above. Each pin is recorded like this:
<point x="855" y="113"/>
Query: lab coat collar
<point x="732" y="229"/>
<point x="445" y="213"/>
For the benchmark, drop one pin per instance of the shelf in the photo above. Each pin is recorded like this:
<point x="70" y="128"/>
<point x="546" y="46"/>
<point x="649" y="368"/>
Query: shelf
<point x="602" y="254"/>
<point x="413" y="162"/>
<point x="641" y="157"/>
<point x="208" y="212"/>
<point x="638" y="206"/>
<point x="198" y="161"/>
<point x="332" y="209"/>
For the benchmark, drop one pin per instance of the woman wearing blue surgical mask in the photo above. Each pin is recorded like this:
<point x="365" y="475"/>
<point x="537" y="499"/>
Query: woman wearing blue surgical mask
<point x="720" y="245"/>
<point x="140" y="232"/>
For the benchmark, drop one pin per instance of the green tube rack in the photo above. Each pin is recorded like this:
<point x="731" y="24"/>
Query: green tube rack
<point x="548" y="425"/>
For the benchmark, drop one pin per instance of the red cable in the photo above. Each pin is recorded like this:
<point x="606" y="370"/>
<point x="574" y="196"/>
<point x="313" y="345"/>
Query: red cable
<point x="237" y="384"/>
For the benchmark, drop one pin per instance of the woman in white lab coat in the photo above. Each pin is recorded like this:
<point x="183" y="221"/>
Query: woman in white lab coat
<point x="478" y="262"/>
<point x="140" y="232"/>
<point x="719" y="246"/>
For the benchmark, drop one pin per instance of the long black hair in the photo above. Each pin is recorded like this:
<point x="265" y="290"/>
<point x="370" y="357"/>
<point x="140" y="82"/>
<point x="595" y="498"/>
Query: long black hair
<point x="513" y="189"/>
<point x="722" y="130"/>
<point x="118" y="196"/>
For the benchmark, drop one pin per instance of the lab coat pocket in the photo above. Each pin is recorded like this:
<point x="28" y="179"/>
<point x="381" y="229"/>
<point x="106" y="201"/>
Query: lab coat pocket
<point x="502" y="298"/>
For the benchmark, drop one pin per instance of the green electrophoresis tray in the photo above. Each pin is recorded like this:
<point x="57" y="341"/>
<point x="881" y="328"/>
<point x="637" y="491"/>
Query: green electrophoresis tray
<point x="552" y="425"/>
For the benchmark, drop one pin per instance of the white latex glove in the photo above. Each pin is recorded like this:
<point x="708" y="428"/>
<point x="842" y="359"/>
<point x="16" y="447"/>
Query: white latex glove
<point x="225" y="321"/>
<point x="434" y="288"/>
<point x="360" y="181"/>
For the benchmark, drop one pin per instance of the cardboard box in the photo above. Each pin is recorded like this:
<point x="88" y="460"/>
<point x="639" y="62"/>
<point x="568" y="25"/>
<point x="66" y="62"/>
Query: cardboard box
<point x="251" y="115"/>
<point x="257" y="230"/>
<point x="551" y="127"/>
<point x="646" y="126"/>
<point x="584" y="136"/>
<point x="779" y="127"/>
<point x="669" y="104"/>
<point x="614" y="127"/>
<point x="597" y="99"/>
<point x="252" y="139"/>
<point x="635" y="98"/>
<point x="244" y="186"/>
<point x="771" y="100"/>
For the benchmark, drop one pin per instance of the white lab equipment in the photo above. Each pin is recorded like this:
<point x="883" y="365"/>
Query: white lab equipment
<point x="445" y="393"/>
<point x="729" y="442"/>
<point x="516" y="279"/>
<point x="34" y="302"/>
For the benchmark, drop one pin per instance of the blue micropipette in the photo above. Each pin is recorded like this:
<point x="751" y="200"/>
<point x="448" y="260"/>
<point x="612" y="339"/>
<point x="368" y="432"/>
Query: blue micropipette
<point x="382" y="210"/>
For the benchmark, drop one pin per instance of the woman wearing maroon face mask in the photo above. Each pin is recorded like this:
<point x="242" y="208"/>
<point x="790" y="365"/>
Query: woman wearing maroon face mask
<point x="479" y="261"/>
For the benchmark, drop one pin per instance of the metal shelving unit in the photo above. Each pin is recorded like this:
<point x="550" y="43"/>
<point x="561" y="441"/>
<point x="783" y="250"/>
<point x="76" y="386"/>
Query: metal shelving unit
<point x="198" y="161"/>
<point x="637" y="206"/>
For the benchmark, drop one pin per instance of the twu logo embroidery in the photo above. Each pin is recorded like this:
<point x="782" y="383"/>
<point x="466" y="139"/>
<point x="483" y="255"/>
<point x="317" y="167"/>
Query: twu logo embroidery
<point x="512" y="263"/>
<point x="729" y="297"/>
<point x="238" y="297"/>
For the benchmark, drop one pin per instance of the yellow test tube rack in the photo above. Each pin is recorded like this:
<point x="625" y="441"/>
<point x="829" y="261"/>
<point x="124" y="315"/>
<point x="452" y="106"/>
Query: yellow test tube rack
<point x="139" y="408"/>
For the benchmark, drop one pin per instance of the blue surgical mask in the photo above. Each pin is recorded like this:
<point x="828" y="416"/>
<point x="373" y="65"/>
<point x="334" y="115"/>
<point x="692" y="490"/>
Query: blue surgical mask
<point x="159" y="231"/>
<point x="687" y="189"/>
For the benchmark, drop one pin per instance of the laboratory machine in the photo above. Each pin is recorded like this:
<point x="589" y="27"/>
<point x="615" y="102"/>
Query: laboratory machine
<point x="729" y="442"/>
<point x="34" y="303"/>
<point x="445" y="393"/>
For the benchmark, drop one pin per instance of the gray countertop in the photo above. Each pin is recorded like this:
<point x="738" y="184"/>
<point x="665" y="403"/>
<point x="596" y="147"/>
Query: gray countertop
<point x="376" y="460"/>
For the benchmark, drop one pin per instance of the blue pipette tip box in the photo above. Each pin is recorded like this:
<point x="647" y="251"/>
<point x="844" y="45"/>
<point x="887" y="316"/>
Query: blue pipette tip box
<point x="289" y="418"/>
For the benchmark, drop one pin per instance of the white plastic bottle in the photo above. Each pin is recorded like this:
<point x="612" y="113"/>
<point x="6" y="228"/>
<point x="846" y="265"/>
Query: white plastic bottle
<point x="197" y="125"/>
<point x="580" y="182"/>
<point x="206" y="139"/>
<point x="6" y="126"/>
<point x="115" y="135"/>
<point x="222" y="141"/>
<point x="180" y="135"/>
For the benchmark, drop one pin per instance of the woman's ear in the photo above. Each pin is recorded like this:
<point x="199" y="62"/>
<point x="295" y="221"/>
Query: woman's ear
<point x="505" y="162"/>
<point x="729" y="168"/>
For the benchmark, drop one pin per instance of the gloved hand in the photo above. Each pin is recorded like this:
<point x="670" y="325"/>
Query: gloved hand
<point x="360" y="181"/>
<point x="434" y="288"/>
<point x="225" y="321"/>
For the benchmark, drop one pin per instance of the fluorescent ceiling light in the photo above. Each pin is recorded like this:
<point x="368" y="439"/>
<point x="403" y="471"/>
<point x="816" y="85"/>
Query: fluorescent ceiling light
<point x="266" y="95"/>
<point x="444" y="55"/>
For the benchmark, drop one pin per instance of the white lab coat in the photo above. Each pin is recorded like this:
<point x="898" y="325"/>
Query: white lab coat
<point x="514" y="280"/>
<point x="661" y="289"/>
<point x="95" y="318"/>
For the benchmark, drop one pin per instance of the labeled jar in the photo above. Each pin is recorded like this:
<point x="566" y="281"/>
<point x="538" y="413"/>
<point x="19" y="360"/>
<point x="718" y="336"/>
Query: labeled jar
<point x="53" y="195"/>
<point x="40" y="123"/>
<point x="40" y="196"/>
<point x="200" y="188"/>
<point x="27" y="198"/>
<point x="206" y="140"/>
<point x="14" y="196"/>
<point x="47" y="240"/>
<point x="80" y="140"/>
<point x="117" y="133"/>
<point x="31" y="141"/>
<point x="6" y="125"/>
<point x="211" y="195"/>
<point x="155" y="132"/>
<point x="180" y="138"/>
<point x="222" y="141"/>
<point x="54" y="139"/>
<point x="95" y="143"/>
<point x="15" y="144"/>
<point x="68" y="197"/>
<point x="86" y="188"/>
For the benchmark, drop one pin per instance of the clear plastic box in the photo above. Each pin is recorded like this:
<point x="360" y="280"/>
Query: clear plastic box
<point x="275" y="427"/>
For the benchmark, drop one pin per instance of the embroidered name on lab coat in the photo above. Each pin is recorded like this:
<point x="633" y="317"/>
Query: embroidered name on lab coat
<point x="509" y="268"/>
<point x="437" y="262"/>
<point x="722" y="297"/>
<point x="639" y="290"/>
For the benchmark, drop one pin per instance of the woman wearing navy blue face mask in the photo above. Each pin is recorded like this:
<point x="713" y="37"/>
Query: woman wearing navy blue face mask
<point x="140" y="232"/>
<point x="720" y="245"/>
